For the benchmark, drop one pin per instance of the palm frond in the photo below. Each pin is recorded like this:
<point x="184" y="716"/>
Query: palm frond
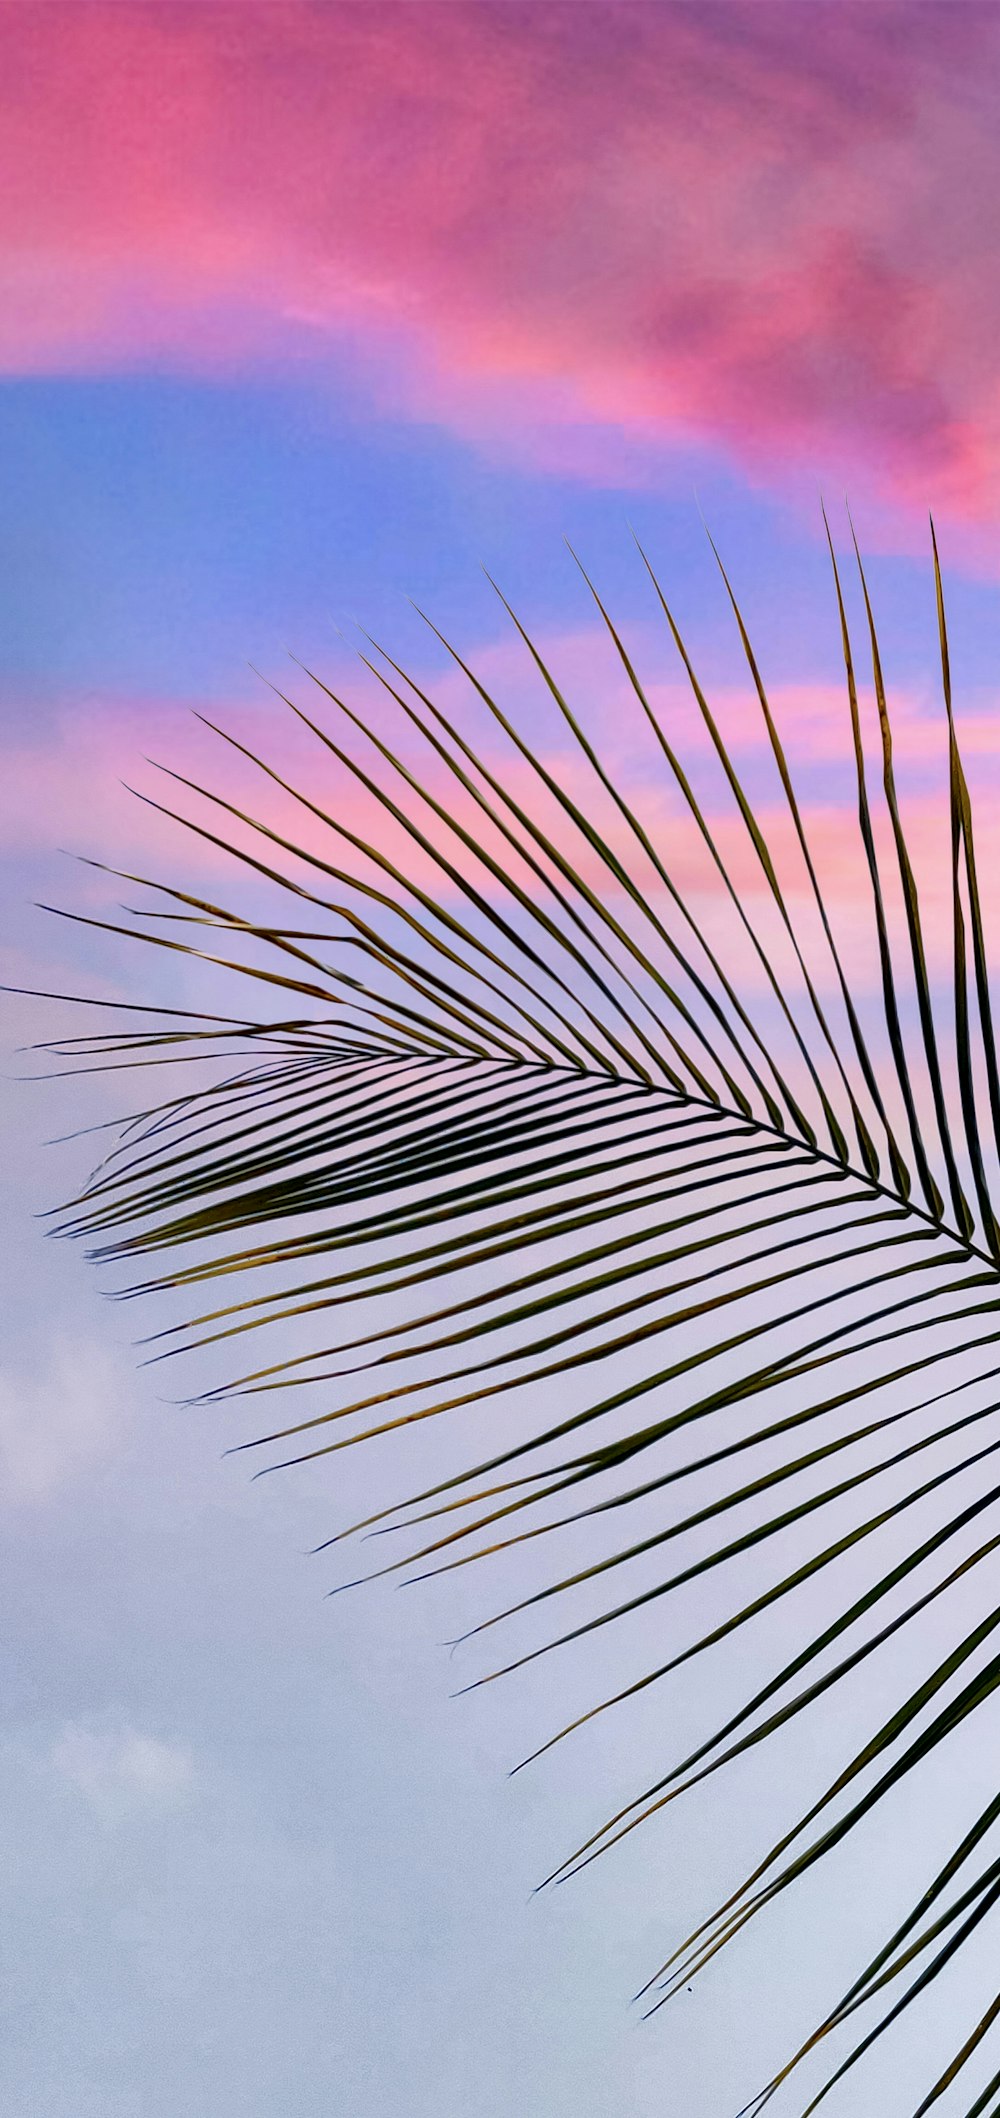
<point x="526" y="1141"/>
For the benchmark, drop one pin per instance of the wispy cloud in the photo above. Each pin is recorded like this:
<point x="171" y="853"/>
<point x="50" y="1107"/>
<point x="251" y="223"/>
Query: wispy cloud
<point x="58" y="1417"/>
<point x="122" y="1771"/>
<point x="737" y="224"/>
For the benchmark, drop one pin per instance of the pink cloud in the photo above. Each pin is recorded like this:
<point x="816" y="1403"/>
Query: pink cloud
<point x="63" y="788"/>
<point x="750" y="225"/>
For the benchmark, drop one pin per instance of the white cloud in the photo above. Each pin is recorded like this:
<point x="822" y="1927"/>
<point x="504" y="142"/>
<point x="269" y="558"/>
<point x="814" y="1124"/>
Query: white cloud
<point x="122" y="1771"/>
<point x="58" y="1417"/>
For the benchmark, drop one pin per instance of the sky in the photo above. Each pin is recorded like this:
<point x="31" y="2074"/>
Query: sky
<point x="310" y="314"/>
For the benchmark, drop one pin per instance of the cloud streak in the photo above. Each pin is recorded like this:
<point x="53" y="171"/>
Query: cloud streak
<point x="55" y="790"/>
<point x="736" y="226"/>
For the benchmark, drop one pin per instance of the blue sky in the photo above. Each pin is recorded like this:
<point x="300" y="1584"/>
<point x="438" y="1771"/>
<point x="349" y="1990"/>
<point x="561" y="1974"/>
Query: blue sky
<point x="163" y="531"/>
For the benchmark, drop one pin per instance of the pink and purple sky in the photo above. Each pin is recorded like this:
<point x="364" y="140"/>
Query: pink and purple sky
<point x="308" y="309"/>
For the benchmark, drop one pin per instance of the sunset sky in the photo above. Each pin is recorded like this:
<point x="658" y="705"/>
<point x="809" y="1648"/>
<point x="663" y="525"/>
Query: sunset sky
<point x="308" y="313"/>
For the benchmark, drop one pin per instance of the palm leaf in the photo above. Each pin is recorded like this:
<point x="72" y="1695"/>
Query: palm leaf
<point x="526" y="1142"/>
